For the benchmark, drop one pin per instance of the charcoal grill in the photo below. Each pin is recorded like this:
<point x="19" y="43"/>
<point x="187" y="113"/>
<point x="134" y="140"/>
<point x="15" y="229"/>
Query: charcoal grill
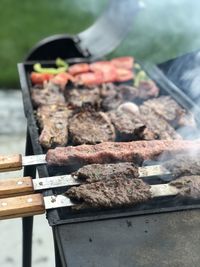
<point x="109" y="237"/>
<point x="62" y="219"/>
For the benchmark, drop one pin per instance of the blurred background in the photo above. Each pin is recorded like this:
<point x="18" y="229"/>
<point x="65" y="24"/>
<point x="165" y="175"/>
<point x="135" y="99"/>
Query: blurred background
<point x="162" y="31"/>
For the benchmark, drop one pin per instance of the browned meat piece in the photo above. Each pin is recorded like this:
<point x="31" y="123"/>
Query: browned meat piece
<point x="116" y="192"/>
<point x="47" y="96"/>
<point x="123" y="93"/>
<point x="54" y="133"/>
<point x="97" y="172"/>
<point x="83" y="97"/>
<point x="166" y="107"/>
<point x="53" y="120"/>
<point x="157" y="124"/>
<point x="111" y="152"/>
<point x="189" y="186"/>
<point x="44" y="112"/>
<point x="90" y="127"/>
<point x="112" y="102"/>
<point x="107" y="89"/>
<point x="186" y="164"/>
<point x="128" y="127"/>
<point x="147" y="89"/>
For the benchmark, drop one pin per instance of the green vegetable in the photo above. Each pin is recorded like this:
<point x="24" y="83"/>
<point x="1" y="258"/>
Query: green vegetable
<point x="137" y="66"/>
<point x="61" y="63"/>
<point x="140" y="76"/>
<point x="38" y="68"/>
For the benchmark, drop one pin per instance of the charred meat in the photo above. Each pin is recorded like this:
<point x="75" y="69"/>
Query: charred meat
<point x="46" y="96"/>
<point x="116" y="192"/>
<point x="112" y="152"/>
<point x="189" y="186"/>
<point x="182" y="165"/>
<point x="162" y="129"/>
<point x="77" y="97"/>
<point x="90" y="127"/>
<point x="97" y="172"/>
<point x="128" y="127"/>
<point x="53" y="120"/>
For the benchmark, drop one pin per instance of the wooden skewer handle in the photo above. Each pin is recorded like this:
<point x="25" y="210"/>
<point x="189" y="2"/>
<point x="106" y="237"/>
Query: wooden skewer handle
<point x="10" y="163"/>
<point x="21" y="206"/>
<point x="16" y="186"/>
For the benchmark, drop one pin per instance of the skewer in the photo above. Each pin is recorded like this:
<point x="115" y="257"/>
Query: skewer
<point x="24" y="185"/>
<point x="33" y="204"/>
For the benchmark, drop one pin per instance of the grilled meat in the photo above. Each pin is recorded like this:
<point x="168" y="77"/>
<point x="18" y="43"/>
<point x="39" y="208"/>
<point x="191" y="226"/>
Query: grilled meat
<point x="46" y="96"/>
<point x="53" y="120"/>
<point x="162" y="129"/>
<point x="91" y="128"/>
<point x="165" y="107"/>
<point x="97" y="172"/>
<point x="128" y="127"/>
<point x="189" y="186"/>
<point x="182" y="165"/>
<point x="115" y="192"/>
<point x="147" y="89"/>
<point x="83" y="97"/>
<point x="111" y="152"/>
<point x="123" y="93"/>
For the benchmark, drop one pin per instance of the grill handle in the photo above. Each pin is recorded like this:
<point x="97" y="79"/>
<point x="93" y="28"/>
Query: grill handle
<point x="21" y="206"/>
<point x="10" y="163"/>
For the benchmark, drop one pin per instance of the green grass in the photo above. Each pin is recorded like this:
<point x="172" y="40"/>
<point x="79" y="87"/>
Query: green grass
<point x="162" y="31"/>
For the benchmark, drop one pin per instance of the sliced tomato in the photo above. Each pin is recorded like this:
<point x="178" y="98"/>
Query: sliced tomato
<point x="89" y="78"/>
<point x="78" y="68"/>
<point x="40" y="78"/>
<point x="62" y="79"/>
<point x="124" y="75"/>
<point x="123" y="62"/>
<point x="107" y="69"/>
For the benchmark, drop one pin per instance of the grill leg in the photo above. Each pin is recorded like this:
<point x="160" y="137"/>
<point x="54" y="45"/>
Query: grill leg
<point x="27" y="223"/>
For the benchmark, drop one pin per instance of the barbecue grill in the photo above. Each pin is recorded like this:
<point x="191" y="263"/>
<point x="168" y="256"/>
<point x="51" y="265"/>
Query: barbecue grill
<point x="103" y="238"/>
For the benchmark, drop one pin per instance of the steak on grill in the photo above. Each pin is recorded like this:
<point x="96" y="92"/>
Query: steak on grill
<point x="166" y="107"/>
<point x="182" y="165"/>
<point x="189" y="186"/>
<point x="122" y="94"/>
<point x="97" y="172"/>
<point x="116" y="192"/>
<point x="46" y="96"/>
<point x="112" y="152"/>
<point x="53" y="120"/>
<point x="83" y="97"/>
<point x="157" y="124"/>
<point x="90" y="127"/>
<point x="128" y="127"/>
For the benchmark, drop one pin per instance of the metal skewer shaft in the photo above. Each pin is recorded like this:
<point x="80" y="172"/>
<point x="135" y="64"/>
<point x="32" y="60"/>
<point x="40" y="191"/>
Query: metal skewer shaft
<point x="27" y="185"/>
<point x="33" y="204"/>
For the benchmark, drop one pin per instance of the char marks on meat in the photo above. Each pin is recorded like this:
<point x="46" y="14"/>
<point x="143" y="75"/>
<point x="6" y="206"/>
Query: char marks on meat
<point x="46" y="96"/>
<point x="182" y="165"/>
<point x="97" y="172"/>
<point x="90" y="127"/>
<point x="188" y="186"/>
<point x="112" y="152"/>
<point x="116" y="192"/>
<point x="53" y="120"/>
<point x="166" y="107"/>
<point x="83" y="97"/>
<point x="157" y="124"/>
<point x="128" y="127"/>
<point x="122" y="94"/>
